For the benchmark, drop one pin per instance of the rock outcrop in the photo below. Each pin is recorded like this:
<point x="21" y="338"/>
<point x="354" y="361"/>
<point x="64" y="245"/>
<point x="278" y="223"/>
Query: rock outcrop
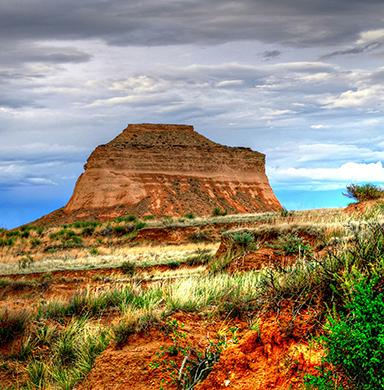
<point x="153" y="169"/>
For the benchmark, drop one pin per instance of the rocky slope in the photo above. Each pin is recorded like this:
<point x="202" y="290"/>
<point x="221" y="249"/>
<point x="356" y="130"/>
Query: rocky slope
<point x="153" y="169"/>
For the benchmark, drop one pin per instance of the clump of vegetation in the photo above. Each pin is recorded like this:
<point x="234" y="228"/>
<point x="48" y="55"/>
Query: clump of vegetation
<point x="126" y="218"/>
<point x="199" y="235"/>
<point x="121" y="230"/>
<point x="219" y="212"/>
<point x="12" y="324"/>
<point x="201" y="257"/>
<point x="35" y="242"/>
<point x="354" y="340"/>
<point x="221" y="263"/>
<point x="182" y="364"/>
<point x="128" y="268"/>
<point x="68" y="238"/>
<point x="292" y="244"/>
<point x="6" y="242"/>
<point x="140" y="225"/>
<point x="189" y="216"/>
<point x="72" y="353"/>
<point x="88" y="231"/>
<point x="243" y="239"/>
<point x="134" y="323"/>
<point x="26" y="262"/>
<point x="94" y="251"/>
<point x="285" y="212"/>
<point x="363" y="192"/>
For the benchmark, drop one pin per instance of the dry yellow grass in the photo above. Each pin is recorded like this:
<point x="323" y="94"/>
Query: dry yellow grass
<point x="141" y="256"/>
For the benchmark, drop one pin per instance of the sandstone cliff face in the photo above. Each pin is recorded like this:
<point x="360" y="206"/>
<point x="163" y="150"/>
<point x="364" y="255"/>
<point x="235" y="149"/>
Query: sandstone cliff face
<point x="152" y="169"/>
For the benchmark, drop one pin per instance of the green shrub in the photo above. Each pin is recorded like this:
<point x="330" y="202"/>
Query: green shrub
<point x="94" y="251"/>
<point x="128" y="268"/>
<point x="244" y="240"/>
<point x="84" y="224"/>
<point x="13" y="233"/>
<point x="88" y="231"/>
<point x="354" y="339"/>
<point x="189" y="216"/>
<point x="173" y="264"/>
<point x="217" y="212"/>
<point x="6" y="242"/>
<point x="67" y="237"/>
<point x="126" y="218"/>
<point x="121" y="230"/>
<point x="140" y="225"/>
<point x="363" y="192"/>
<point x="35" y="242"/>
<point x="291" y="244"/>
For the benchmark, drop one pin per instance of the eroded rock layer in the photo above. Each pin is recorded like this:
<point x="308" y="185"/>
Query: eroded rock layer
<point x="152" y="169"/>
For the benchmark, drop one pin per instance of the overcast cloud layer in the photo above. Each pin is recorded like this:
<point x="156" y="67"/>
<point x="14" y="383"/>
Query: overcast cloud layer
<point x="300" y="80"/>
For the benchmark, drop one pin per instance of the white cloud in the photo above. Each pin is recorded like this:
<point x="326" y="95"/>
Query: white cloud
<point x="346" y="173"/>
<point x="319" y="126"/>
<point x="370" y="95"/>
<point x="229" y="83"/>
<point x="371" y="36"/>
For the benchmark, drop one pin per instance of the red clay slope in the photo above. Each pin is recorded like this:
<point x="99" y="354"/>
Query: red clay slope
<point x="159" y="169"/>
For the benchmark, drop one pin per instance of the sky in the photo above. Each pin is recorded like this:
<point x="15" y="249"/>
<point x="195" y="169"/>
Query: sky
<point x="299" y="80"/>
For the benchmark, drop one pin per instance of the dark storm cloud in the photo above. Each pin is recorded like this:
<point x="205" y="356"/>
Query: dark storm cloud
<point x="164" y="22"/>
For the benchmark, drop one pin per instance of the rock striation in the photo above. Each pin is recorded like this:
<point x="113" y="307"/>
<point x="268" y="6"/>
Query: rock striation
<point x="164" y="169"/>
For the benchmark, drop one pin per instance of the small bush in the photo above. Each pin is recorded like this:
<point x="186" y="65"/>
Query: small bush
<point x="35" y="242"/>
<point x="85" y="224"/>
<point x="127" y="218"/>
<point x="173" y="264"/>
<point x="243" y="239"/>
<point x="88" y="231"/>
<point x="94" y="251"/>
<point x="140" y="225"/>
<point x="217" y="212"/>
<point x="121" y="230"/>
<point x="128" y="268"/>
<point x="189" y="216"/>
<point x="13" y="233"/>
<point x="292" y="244"/>
<point x="6" y="242"/>
<point x="354" y="340"/>
<point x="363" y="192"/>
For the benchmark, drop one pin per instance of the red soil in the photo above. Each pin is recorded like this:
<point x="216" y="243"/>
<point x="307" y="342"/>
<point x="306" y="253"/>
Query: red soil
<point x="271" y="358"/>
<point x="128" y="368"/>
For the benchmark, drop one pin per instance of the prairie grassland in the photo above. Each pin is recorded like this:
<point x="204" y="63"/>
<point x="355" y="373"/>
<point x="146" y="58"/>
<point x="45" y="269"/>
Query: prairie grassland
<point x="145" y="256"/>
<point x="90" y="245"/>
<point x="78" y="329"/>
